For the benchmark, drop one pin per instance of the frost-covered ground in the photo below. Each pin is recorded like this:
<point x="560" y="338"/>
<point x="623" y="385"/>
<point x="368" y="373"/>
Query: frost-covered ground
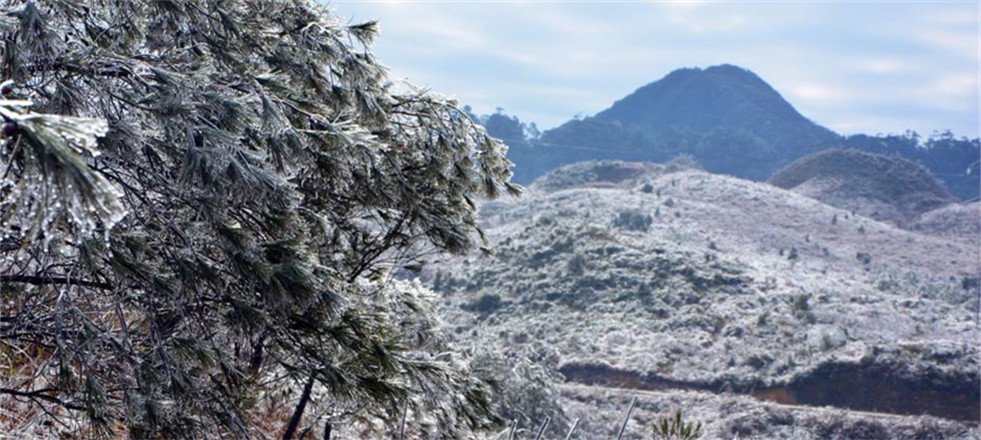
<point x="699" y="278"/>
<point x="960" y="220"/>
<point x="601" y="412"/>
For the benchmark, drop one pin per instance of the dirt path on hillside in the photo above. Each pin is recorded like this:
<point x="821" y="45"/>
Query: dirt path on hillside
<point x="856" y="391"/>
<point x="659" y="395"/>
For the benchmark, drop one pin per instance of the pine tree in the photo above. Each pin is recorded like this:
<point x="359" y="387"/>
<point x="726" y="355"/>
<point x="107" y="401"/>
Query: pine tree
<point x="203" y="206"/>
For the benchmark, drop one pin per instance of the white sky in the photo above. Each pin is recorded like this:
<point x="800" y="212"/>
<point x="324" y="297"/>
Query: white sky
<point x="853" y="66"/>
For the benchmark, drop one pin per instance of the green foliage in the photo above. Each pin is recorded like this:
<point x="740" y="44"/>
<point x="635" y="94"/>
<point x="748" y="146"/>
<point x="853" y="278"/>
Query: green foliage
<point x="576" y="265"/>
<point x="802" y="302"/>
<point x="200" y="202"/>
<point x="485" y="305"/>
<point x="633" y="221"/>
<point x="802" y="307"/>
<point x="675" y="428"/>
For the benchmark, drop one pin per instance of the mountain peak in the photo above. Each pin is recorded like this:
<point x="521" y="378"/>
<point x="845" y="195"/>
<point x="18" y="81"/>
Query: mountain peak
<point x="731" y="69"/>
<point x="702" y="99"/>
<point x="725" y="116"/>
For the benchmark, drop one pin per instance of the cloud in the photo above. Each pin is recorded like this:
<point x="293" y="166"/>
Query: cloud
<point x="962" y="43"/>
<point x="882" y="65"/>
<point x="958" y="91"/>
<point x="819" y="93"/>
<point x="698" y="23"/>
<point x="953" y="17"/>
<point x="848" y="65"/>
<point x="685" y="5"/>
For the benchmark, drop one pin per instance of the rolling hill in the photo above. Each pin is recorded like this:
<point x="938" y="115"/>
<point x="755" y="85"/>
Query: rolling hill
<point x="885" y="188"/>
<point x="710" y="292"/>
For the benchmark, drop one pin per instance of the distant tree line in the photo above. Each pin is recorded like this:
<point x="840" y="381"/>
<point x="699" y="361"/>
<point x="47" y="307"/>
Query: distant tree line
<point x="953" y="160"/>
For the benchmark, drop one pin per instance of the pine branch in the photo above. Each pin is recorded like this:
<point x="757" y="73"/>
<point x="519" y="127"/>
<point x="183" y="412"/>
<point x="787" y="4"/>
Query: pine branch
<point x="50" y="280"/>
<point x="41" y="395"/>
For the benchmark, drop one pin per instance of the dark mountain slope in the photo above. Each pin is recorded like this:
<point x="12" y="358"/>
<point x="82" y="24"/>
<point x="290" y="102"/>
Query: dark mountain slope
<point x="703" y="100"/>
<point x="728" y="118"/>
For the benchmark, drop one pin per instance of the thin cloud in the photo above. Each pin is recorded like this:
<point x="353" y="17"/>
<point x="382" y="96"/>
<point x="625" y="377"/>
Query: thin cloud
<point x="697" y="23"/>
<point x="851" y="66"/>
<point x="962" y="43"/>
<point x="882" y="66"/>
<point x="817" y="93"/>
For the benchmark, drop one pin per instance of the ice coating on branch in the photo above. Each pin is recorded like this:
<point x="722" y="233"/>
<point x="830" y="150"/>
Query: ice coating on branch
<point x="50" y="176"/>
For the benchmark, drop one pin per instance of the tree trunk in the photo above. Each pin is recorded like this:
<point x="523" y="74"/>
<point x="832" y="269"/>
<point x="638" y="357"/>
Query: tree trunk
<point x="298" y="412"/>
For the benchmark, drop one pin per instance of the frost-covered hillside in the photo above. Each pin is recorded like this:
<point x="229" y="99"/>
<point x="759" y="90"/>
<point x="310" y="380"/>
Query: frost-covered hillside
<point x="653" y="277"/>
